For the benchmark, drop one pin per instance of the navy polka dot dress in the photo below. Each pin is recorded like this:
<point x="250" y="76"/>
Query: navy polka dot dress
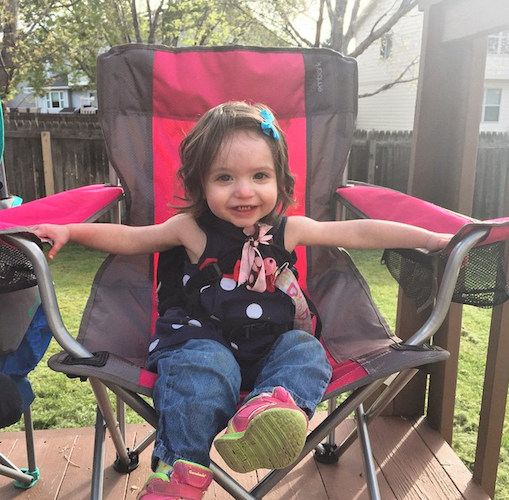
<point x="246" y="321"/>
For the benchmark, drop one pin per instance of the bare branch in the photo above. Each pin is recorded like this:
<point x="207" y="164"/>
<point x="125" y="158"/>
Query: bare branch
<point x="350" y="33"/>
<point x="405" y="7"/>
<point x="319" y="22"/>
<point x="387" y="86"/>
<point x="122" y="22"/>
<point x="153" y="23"/>
<point x="330" y="12"/>
<point x="294" y="33"/>
<point x="388" y="9"/>
<point x="136" y="23"/>
<point x="249" y="13"/>
<point x="70" y="4"/>
<point x="398" y="80"/>
<point x="36" y="24"/>
<point x="149" y="12"/>
<point x="337" y="22"/>
<point x="367" y="8"/>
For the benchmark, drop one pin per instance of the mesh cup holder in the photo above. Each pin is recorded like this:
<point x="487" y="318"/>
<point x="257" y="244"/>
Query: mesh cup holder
<point x="19" y="297"/>
<point x="16" y="271"/>
<point x="481" y="282"/>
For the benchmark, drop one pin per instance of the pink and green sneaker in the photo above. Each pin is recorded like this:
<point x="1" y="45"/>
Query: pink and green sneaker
<point x="187" y="481"/>
<point x="268" y="432"/>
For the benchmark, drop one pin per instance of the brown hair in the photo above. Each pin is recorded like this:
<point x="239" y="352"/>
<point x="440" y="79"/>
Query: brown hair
<point x="200" y="148"/>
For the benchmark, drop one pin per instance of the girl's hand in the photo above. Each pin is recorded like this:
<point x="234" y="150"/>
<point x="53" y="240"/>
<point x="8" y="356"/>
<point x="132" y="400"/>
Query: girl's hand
<point x="438" y="241"/>
<point x="54" y="234"/>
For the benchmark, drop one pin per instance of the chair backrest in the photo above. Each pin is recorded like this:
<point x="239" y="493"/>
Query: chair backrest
<point x="151" y="96"/>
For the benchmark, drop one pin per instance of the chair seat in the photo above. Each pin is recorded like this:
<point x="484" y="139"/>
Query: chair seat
<point x="346" y="376"/>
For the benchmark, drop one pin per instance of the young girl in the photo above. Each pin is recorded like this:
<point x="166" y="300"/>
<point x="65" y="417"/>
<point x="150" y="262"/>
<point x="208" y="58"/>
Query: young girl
<point x="231" y="327"/>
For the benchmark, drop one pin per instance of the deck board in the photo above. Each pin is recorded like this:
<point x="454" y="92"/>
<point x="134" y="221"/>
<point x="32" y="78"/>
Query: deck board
<point x="413" y="463"/>
<point x="414" y="471"/>
<point x="450" y="462"/>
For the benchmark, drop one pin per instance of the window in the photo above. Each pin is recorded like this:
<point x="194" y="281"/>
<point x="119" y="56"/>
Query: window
<point x="499" y="43"/>
<point x="55" y="99"/>
<point x="386" y="46"/>
<point x="491" y="105"/>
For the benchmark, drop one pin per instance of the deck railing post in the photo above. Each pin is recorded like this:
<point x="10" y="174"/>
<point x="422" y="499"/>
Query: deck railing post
<point x="443" y="158"/>
<point x="494" y="397"/>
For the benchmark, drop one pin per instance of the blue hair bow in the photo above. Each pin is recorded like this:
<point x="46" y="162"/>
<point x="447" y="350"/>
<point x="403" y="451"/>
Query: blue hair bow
<point x="268" y="127"/>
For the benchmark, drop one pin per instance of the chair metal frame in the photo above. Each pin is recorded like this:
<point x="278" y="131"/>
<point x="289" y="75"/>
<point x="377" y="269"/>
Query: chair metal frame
<point x="320" y="439"/>
<point x="127" y="459"/>
<point x="24" y="478"/>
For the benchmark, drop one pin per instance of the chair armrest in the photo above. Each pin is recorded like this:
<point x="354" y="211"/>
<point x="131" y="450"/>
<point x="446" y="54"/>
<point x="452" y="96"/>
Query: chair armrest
<point x="447" y="285"/>
<point x="83" y="204"/>
<point x="375" y="202"/>
<point x="483" y="278"/>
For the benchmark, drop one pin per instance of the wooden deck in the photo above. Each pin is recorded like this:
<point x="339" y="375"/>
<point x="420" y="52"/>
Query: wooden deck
<point x="413" y="461"/>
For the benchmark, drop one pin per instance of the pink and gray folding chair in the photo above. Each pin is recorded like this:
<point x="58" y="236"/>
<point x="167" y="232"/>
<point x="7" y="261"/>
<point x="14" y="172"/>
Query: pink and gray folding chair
<point x="313" y="93"/>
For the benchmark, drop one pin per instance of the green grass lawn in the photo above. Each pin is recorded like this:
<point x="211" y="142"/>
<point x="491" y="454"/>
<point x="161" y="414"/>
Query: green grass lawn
<point x="63" y="402"/>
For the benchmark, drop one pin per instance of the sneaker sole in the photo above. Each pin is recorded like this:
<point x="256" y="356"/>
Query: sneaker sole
<point x="273" y="440"/>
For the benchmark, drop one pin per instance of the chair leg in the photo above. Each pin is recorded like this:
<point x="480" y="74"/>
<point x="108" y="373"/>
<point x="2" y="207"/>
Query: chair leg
<point x="101" y="396"/>
<point x="24" y="478"/>
<point x="377" y="407"/>
<point x="332" y="405"/>
<point x="329" y="452"/>
<point x="367" y="454"/>
<point x="121" y="417"/>
<point x="230" y="485"/>
<point x="325" y="452"/>
<point x="29" y="435"/>
<point x="8" y="469"/>
<point x="98" y="462"/>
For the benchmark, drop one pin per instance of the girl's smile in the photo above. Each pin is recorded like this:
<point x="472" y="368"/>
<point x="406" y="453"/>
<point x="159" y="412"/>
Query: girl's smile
<point x="241" y="186"/>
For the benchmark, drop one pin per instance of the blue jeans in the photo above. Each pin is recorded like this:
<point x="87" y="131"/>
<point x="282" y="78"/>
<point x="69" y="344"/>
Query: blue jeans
<point x="199" y="382"/>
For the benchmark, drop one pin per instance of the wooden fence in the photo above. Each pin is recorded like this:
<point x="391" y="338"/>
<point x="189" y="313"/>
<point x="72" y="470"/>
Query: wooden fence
<point x="383" y="158"/>
<point x="45" y="153"/>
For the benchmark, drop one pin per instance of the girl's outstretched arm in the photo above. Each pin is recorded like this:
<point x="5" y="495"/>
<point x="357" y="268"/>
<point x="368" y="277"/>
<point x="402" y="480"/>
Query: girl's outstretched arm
<point x="119" y="238"/>
<point x="361" y="233"/>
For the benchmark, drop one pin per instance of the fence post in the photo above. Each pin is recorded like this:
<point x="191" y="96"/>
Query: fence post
<point x="371" y="157"/>
<point x="47" y="162"/>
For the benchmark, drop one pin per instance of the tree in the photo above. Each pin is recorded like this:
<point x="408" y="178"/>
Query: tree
<point x="344" y="19"/>
<point x="53" y="37"/>
<point x="65" y="36"/>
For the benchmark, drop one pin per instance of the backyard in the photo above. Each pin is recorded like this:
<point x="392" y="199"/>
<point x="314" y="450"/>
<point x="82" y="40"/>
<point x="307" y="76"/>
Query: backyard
<point x="62" y="402"/>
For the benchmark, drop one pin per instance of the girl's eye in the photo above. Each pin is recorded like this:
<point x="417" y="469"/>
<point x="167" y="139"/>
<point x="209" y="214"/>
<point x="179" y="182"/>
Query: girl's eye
<point x="260" y="175"/>
<point x="224" y="178"/>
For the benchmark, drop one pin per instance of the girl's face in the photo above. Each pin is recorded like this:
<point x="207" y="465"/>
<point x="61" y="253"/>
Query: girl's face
<point x="241" y="186"/>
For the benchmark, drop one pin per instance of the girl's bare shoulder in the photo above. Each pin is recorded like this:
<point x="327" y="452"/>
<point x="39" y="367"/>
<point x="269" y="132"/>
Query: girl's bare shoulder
<point x="296" y="226"/>
<point x="306" y="231"/>
<point x="181" y="221"/>
<point x="186" y="230"/>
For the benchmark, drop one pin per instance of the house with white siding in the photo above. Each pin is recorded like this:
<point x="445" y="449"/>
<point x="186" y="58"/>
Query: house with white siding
<point x="59" y="97"/>
<point x="396" y="55"/>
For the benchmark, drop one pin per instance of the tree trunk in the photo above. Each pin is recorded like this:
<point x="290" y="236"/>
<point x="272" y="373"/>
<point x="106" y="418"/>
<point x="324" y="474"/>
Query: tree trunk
<point x="8" y="52"/>
<point x="337" y="19"/>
